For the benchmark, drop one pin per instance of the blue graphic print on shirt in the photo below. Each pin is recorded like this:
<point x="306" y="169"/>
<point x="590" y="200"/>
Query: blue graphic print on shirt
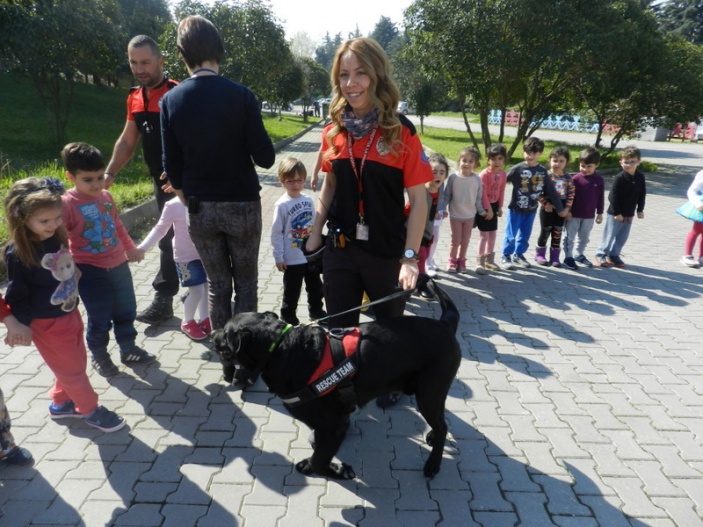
<point x="99" y="229"/>
<point x="301" y="224"/>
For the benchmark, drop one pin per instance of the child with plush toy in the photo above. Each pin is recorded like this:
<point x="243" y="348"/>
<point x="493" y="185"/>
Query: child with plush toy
<point x="43" y="295"/>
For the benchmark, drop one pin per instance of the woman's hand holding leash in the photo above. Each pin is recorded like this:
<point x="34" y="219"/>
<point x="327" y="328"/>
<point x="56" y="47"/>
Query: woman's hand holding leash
<point x="408" y="274"/>
<point x="313" y="242"/>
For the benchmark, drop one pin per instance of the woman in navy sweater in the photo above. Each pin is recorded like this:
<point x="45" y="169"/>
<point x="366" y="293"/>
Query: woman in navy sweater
<point x="213" y="135"/>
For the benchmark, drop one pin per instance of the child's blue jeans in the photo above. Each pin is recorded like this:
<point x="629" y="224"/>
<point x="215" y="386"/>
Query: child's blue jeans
<point x="108" y="295"/>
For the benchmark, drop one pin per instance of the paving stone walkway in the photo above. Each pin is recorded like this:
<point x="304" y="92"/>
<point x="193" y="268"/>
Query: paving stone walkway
<point x="579" y="403"/>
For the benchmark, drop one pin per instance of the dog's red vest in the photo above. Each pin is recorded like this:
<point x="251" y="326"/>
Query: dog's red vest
<point x="350" y="342"/>
<point x="328" y="375"/>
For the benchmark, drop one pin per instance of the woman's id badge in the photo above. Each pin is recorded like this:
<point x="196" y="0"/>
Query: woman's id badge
<point x="362" y="232"/>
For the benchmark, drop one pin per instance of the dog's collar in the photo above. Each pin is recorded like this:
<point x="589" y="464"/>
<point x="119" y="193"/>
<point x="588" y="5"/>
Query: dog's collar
<point x="278" y="340"/>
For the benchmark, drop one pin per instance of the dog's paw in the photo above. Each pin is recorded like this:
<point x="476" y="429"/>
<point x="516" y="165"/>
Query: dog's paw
<point x="334" y="470"/>
<point x="340" y="471"/>
<point x="304" y="467"/>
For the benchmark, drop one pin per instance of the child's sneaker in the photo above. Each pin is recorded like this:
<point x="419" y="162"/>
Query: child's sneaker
<point x="206" y="326"/>
<point x="690" y="261"/>
<point x="67" y="409"/>
<point x="519" y="259"/>
<point x="616" y="260"/>
<point x="193" y="330"/>
<point x="570" y="264"/>
<point x="137" y="356"/>
<point x="506" y="262"/>
<point x="452" y="267"/>
<point x="584" y="261"/>
<point x="105" y="367"/>
<point x="461" y="265"/>
<point x="431" y="272"/>
<point x="602" y="261"/>
<point x="105" y="420"/>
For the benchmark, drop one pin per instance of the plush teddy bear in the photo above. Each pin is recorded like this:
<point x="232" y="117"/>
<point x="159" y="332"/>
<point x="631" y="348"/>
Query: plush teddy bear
<point x="63" y="269"/>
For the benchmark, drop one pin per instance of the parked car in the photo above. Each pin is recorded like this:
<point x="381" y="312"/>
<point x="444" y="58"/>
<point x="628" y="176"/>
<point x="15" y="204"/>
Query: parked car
<point x="287" y="107"/>
<point x="403" y="107"/>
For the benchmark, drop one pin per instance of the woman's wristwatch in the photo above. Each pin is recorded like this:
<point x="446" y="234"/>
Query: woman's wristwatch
<point x="410" y="256"/>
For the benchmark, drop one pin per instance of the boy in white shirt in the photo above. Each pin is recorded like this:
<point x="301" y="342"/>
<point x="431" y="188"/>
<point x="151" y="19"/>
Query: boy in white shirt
<point x="293" y="216"/>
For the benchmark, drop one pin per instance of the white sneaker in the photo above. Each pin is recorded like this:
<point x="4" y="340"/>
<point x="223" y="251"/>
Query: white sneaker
<point x="690" y="261"/>
<point x="506" y="262"/>
<point x="431" y="272"/>
<point x="520" y="260"/>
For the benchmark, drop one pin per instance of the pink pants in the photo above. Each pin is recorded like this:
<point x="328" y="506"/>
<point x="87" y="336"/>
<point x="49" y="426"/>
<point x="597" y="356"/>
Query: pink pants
<point x="61" y="345"/>
<point x="693" y="234"/>
<point x="487" y="243"/>
<point x="461" y="235"/>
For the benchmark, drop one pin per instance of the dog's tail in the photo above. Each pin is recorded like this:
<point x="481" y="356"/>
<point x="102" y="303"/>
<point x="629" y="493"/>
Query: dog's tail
<point x="450" y="314"/>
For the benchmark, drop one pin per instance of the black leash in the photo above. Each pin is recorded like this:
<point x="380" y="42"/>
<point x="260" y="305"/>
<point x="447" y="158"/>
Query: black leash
<point x="387" y="298"/>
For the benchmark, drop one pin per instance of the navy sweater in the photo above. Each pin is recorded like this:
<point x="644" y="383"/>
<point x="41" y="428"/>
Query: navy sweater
<point x="212" y="135"/>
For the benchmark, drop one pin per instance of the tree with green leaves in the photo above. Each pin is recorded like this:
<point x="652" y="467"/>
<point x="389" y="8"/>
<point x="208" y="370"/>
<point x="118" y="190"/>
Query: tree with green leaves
<point x="639" y="82"/>
<point x="423" y="92"/>
<point x="290" y="85"/>
<point x="683" y="17"/>
<point x="55" y="45"/>
<point x="324" y="54"/>
<point x="493" y="58"/>
<point x="385" y="32"/>
<point x="615" y="84"/>
<point x="316" y="83"/>
<point x="256" y="52"/>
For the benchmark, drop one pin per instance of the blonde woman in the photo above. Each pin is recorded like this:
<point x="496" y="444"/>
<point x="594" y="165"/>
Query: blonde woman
<point x="372" y="156"/>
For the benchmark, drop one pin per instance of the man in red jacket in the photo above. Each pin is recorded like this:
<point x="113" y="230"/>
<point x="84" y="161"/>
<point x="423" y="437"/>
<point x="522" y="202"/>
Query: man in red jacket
<point x="143" y="120"/>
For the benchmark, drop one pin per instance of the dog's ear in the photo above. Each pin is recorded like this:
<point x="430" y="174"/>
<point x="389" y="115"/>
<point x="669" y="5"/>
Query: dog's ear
<point x="270" y="314"/>
<point x="238" y="341"/>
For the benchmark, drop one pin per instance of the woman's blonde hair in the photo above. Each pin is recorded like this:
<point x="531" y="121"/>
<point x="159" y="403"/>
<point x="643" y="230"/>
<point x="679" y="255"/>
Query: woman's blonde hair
<point x="25" y="198"/>
<point x="383" y="92"/>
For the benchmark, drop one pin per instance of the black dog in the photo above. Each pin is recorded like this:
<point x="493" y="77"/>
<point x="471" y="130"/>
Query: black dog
<point x="414" y="354"/>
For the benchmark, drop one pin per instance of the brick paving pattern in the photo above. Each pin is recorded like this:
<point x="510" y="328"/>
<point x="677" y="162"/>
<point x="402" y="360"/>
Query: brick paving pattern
<point x="579" y="403"/>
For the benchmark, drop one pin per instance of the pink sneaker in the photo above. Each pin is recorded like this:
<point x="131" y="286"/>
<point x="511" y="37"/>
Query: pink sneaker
<point x="193" y="330"/>
<point x="205" y="326"/>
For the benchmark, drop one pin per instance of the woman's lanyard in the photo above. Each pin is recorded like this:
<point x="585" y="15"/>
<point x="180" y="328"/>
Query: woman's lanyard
<point x="362" y="230"/>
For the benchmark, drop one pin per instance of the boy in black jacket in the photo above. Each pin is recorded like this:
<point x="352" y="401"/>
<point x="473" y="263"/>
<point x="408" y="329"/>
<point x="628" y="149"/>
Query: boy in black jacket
<point x="626" y="196"/>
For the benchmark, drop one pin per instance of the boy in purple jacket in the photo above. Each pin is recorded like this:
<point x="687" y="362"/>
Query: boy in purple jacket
<point x="588" y="204"/>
